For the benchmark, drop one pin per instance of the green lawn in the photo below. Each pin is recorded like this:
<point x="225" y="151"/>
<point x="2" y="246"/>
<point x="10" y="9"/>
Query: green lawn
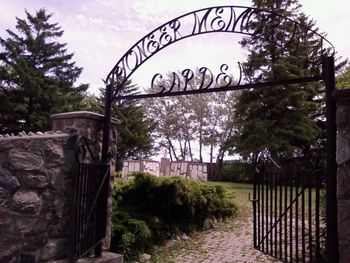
<point x="240" y="194"/>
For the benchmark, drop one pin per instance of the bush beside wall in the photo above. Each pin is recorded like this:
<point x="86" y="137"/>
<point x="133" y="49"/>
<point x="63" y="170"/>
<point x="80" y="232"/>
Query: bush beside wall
<point x="148" y="210"/>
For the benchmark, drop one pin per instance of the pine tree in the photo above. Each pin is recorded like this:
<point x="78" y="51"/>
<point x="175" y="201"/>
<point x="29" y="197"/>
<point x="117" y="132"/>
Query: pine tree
<point x="134" y="136"/>
<point x="280" y="121"/>
<point x="37" y="75"/>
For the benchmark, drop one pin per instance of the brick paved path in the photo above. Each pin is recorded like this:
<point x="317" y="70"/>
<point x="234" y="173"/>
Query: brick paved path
<point x="228" y="244"/>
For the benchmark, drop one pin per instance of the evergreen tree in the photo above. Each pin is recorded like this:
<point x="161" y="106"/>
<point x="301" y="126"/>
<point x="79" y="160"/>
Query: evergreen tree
<point x="279" y="121"/>
<point x="135" y="129"/>
<point x="343" y="79"/>
<point x="37" y="75"/>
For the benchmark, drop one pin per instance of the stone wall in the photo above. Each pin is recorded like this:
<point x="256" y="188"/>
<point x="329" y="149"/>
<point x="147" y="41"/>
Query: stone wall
<point x="37" y="188"/>
<point x="343" y="180"/>
<point x="36" y="197"/>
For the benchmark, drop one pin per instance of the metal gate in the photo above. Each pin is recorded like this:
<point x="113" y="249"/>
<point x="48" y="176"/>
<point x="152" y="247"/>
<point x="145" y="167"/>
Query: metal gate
<point x="274" y="219"/>
<point x="91" y="196"/>
<point x="289" y="214"/>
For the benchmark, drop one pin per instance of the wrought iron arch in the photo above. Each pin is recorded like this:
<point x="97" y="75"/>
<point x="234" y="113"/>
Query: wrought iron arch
<point x="218" y="19"/>
<point x="231" y="19"/>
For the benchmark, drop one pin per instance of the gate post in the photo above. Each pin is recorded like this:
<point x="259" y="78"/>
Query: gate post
<point x="105" y="154"/>
<point x="332" y="242"/>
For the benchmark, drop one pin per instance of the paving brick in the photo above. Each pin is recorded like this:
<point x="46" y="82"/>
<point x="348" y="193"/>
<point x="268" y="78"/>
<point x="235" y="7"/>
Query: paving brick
<point x="222" y="246"/>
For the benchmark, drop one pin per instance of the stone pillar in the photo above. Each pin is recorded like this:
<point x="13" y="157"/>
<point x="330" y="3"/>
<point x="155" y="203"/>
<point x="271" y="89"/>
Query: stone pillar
<point x="343" y="162"/>
<point x="36" y="197"/>
<point x="90" y="125"/>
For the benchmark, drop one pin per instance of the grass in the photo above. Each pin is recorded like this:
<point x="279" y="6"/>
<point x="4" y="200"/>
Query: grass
<point x="240" y="193"/>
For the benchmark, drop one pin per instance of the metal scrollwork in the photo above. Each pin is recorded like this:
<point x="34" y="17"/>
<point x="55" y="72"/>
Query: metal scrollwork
<point x="227" y="19"/>
<point x="189" y="81"/>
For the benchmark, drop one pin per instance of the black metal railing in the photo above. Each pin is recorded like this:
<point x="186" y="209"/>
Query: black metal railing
<point x="288" y="221"/>
<point x="91" y="202"/>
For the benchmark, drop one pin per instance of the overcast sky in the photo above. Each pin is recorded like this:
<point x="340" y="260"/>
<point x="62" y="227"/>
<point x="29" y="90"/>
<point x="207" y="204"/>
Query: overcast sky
<point x="99" y="32"/>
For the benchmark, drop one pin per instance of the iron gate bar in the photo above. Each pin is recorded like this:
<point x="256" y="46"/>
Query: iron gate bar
<point x="275" y="187"/>
<point x="269" y="228"/>
<point x="317" y="225"/>
<point x="331" y="129"/>
<point x="285" y="219"/>
<point x="296" y="219"/>
<point x="310" y="218"/>
<point x="91" y="200"/>
<point x="280" y="213"/>
<point x="303" y="220"/>
<point x="271" y="213"/>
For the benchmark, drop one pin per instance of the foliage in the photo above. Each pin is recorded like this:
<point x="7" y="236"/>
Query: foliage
<point x="134" y="136"/>
<point x="237" y="171"/>
<point x="135" y="129"/>
<point x="37" y="75"/>
<point x="185" y="123"/>
<point x="148" y="210"/>
<point x="279" y="121"/>
<point x="343" y="79"/>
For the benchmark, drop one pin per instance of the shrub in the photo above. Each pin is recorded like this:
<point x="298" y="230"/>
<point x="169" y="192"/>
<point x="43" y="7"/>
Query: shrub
<point x="148" y="210"/>
<point x="237" y="172"/>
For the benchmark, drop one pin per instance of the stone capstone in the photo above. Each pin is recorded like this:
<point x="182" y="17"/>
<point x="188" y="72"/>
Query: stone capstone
<point x="20" y="159"/>
<point x="26" y="202"/>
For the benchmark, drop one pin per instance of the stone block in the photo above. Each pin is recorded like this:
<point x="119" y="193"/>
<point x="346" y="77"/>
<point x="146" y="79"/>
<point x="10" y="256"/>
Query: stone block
<point x="22" y="159"/>
<point x="344" y="251"/>
<point x="7" y="180"/>
<point x="344" y="220"/>
<point x="55" y="249"/>
<point x="5" y="198"/>
<point x="56" y="177"/>
<point x="9" y="255"/>
<point x="54" y="153"/>
<point x="5" y="144"/>
<point x="35" y="179"/>
<point x="6" y="223"/>
<point x="30" y="226"/>
<point x="343" y="182"/>
<point x="33" y="242"/>
<point x="26" y="202"/>
<point x="107" y="257"/>
<point x="60" y="228"/>
<point x="343" y="150"/>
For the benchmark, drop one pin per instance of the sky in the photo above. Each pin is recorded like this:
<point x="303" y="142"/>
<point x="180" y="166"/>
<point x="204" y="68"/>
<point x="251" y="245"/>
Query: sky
<point x="99" y="32"/>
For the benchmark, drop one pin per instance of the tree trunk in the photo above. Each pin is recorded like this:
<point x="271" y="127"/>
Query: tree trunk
<point x="173" y="149"/>
<point x="200" y="142"/>
<point x="190" y="150"/>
